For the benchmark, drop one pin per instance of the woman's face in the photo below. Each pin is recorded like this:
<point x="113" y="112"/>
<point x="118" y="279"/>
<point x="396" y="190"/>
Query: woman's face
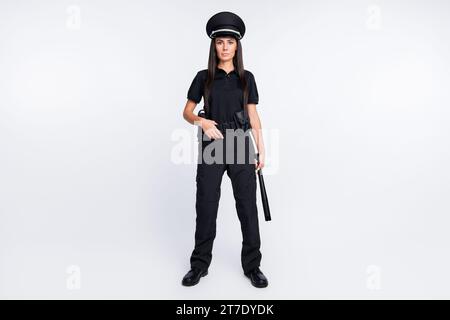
<point x="226" y="48"/>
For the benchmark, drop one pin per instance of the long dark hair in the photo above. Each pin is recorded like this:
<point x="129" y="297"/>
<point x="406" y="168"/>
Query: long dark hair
<point x="213" y="61"/>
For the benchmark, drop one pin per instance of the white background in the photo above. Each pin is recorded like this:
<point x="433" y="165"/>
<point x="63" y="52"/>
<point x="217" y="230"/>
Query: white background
<point x="355" y="103"/>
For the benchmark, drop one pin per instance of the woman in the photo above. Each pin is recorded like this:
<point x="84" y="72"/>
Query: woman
<point x="226" y="88"/>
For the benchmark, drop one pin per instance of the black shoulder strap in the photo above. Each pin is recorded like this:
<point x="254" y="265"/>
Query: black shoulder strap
<point x="205" y="100"/>
<point x="245" y="103"/>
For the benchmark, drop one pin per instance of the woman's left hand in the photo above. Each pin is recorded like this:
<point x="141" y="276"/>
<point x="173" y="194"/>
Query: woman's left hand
<point x="260" y="164"/>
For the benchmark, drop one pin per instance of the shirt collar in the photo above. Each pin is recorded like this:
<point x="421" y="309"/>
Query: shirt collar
<point x="222" y="73"/>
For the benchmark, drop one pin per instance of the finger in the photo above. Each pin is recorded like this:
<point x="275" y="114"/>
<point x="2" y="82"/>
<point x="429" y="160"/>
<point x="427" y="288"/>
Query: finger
<point x="214" y="134"/>
<point x="219" y="134"/>
<point x="211" y="134"/>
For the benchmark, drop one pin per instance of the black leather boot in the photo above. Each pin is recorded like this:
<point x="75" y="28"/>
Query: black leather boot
<point x="193" y="276"/>
<point x="257" y="278"/>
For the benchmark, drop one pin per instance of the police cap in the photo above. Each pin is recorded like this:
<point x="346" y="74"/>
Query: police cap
<point x="225" y="23"/>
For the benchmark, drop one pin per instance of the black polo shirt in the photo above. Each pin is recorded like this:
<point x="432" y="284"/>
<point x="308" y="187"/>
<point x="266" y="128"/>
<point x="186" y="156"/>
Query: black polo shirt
<point x="226" y="93"/>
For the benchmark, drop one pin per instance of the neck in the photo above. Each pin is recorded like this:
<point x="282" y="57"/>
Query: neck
<point x="227" y="66"/>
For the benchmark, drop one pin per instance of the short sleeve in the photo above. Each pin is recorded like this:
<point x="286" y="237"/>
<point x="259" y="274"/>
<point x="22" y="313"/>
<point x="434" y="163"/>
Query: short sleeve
<point x="253" y="96"/>
<point x="195" y="91"/>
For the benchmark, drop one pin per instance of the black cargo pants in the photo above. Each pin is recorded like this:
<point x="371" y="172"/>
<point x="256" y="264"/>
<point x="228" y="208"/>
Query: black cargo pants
<point x="240" y="167"/>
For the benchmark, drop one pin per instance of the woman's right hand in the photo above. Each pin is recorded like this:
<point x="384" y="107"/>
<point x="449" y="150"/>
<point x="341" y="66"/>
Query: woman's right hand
<point x="210" y="129"/>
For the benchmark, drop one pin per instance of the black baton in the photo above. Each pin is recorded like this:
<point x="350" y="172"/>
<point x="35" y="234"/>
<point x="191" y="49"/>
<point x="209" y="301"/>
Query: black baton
<point x="262" y="187"/>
